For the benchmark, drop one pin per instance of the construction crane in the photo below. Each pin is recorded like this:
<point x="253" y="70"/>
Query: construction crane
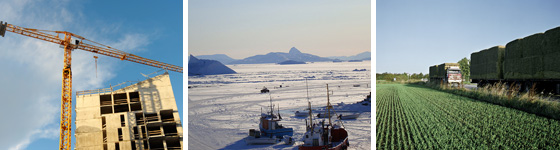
<point x="70" y="41"/>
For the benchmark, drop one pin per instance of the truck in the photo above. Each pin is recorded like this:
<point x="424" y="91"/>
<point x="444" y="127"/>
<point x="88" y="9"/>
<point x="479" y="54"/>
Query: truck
<point x="446" y="74"/>
<point x="529" y="63"/>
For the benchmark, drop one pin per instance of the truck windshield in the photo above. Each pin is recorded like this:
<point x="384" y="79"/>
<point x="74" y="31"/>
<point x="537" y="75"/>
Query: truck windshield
<point x="453" y="71"/>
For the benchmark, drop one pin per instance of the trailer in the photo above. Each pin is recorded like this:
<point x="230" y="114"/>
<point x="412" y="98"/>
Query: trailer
<point x="446" y="74"/>
<point x="532" y="62"/>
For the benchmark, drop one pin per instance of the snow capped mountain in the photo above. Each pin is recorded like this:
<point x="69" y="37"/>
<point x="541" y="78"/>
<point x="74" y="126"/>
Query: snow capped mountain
<point x="294" y="51"/>
<point x="224" y="59"/>
<point x="360" y="56"/>
<point x="276" y="57"/>
<point x="207" y="67"/>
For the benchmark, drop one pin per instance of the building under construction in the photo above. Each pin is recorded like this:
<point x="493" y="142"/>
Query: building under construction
<point x="139" y="116"/>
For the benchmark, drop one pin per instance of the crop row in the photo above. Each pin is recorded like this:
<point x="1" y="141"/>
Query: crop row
<point x="414" y="117"/>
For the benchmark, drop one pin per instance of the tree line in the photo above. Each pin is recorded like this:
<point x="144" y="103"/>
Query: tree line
<point x="400" y="76"/>
<point x="463" y="63"/>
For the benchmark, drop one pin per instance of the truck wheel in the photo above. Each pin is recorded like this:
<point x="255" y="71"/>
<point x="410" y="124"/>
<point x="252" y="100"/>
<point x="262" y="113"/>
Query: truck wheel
<point x="527" y="86"/>
<point x="557" y="88"/>
<point x="480" y="84"/>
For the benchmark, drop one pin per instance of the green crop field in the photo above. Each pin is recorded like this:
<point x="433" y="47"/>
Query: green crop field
<point x="415" y="117"/>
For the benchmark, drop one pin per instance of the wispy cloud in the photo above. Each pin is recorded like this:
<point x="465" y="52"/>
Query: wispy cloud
<point x="132" y="42"/>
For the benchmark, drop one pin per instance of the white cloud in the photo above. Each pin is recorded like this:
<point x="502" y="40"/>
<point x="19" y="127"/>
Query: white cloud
<point x="132" y="43"/>
<point x="31" y="70"/>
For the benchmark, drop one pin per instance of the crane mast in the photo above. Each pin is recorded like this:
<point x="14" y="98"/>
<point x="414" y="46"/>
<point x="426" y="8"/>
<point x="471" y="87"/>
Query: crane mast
<point x="69" y="46"/>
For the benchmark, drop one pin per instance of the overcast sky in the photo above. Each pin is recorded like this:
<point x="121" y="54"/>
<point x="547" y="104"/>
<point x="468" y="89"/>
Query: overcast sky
<point x="243" y="28"/>
<point x="413" y="35"/>
<point x="31" y="73"/>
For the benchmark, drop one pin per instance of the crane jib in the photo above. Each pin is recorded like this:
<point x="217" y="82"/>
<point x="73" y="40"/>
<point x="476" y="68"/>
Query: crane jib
<point x="94" y="47"/>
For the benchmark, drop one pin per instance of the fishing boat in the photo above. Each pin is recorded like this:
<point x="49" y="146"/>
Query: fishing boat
<point x="270" y="130"/>
<point x="324" y="135"/>
<point x="301" y="113"/>
<point x="269" y="124"/>
<point x="348" y="116"/>
<point x="288" y="140"/>
<point x="325" y="114"/>
<point x="256" y="138"/>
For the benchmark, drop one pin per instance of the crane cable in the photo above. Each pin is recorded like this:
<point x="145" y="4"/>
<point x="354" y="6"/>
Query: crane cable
<point x="95" y="57"/>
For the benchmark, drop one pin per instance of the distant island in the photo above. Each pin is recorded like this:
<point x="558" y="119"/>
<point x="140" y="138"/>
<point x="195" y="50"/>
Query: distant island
<point x="290" y="62"/>
<point x="207" y="67"/>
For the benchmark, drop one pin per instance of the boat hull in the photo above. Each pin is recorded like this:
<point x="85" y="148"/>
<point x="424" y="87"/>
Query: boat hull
<point x="339" y="138"/>
<point x="278" y="132"/>
<point x="260" y="141"/>
<point x="321" y="115"/>
<point x="352" y="116"/>
<point x="340" y="146"/>
<point x="302" y="114"/>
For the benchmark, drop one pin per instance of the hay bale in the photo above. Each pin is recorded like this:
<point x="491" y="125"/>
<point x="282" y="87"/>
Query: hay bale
<point x="532" y="45"/>
<point x="433" y="71"/>
<point x="551" y="69"/>
<point x="552" y="40"/>
<point x="534" y="57"/>
<point x="509" y="67"/>
<point x="513" y="50"/>
<point x="475" y="67"/>
<point x="525" y="68"/>
<point x="524" y="58"/>
<point x="488" y="63"/>
<point x="501" y="50"/>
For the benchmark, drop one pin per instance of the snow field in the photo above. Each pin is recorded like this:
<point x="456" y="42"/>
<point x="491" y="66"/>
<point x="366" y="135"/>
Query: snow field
<point x="222" y="108"/>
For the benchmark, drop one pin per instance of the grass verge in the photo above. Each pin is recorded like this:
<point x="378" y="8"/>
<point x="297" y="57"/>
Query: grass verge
<point x="508" y="96"/>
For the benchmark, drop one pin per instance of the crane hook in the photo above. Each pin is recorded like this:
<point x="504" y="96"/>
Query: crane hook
<point x="95" y="65"/>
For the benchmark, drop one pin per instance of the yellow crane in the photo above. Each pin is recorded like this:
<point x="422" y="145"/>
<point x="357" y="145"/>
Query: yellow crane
<point x="71" y="41"/>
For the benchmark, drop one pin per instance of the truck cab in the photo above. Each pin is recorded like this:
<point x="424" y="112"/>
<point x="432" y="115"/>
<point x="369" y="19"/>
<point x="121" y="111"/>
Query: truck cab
<point x="453" y="75"/>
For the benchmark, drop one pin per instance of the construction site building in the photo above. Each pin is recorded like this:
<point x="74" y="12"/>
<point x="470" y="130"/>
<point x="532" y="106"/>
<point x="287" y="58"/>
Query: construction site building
<point x="140" y="116"/>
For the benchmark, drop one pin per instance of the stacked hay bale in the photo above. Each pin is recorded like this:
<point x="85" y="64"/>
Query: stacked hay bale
<point x="442" y="69"/>
<point x="433" y="71"/>
<point x="534" y="57"/>
<point x="487" y="64"/>
<point x="551" y="57"/>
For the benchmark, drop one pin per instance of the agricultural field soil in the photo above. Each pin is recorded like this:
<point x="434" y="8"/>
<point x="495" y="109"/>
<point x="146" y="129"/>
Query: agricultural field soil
<point x="222" y="108"/>
<point x="415" y="117"/>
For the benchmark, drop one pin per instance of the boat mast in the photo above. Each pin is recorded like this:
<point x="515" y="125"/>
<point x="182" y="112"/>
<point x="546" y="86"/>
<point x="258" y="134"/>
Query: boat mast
<point x="328" y="106"/>
<point x="279" y="117"/>
<point x="307" y="88"/>
<point x="309" y="104"/>
<point x="271" y="108"/>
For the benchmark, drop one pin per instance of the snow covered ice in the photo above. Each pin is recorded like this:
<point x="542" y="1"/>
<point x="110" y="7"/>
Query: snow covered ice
<point x="222" y="108"/>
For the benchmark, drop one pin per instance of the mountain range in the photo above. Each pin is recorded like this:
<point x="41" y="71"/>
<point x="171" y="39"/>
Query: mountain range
<point x="276" y="57"/>
<point x="360" y="56"/>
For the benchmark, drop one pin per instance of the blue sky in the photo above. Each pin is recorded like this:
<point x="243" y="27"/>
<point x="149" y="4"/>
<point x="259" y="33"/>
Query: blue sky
<point x="244" y="28"/>
<point x="413" y="35"/>
<point x="32" y="67"/>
